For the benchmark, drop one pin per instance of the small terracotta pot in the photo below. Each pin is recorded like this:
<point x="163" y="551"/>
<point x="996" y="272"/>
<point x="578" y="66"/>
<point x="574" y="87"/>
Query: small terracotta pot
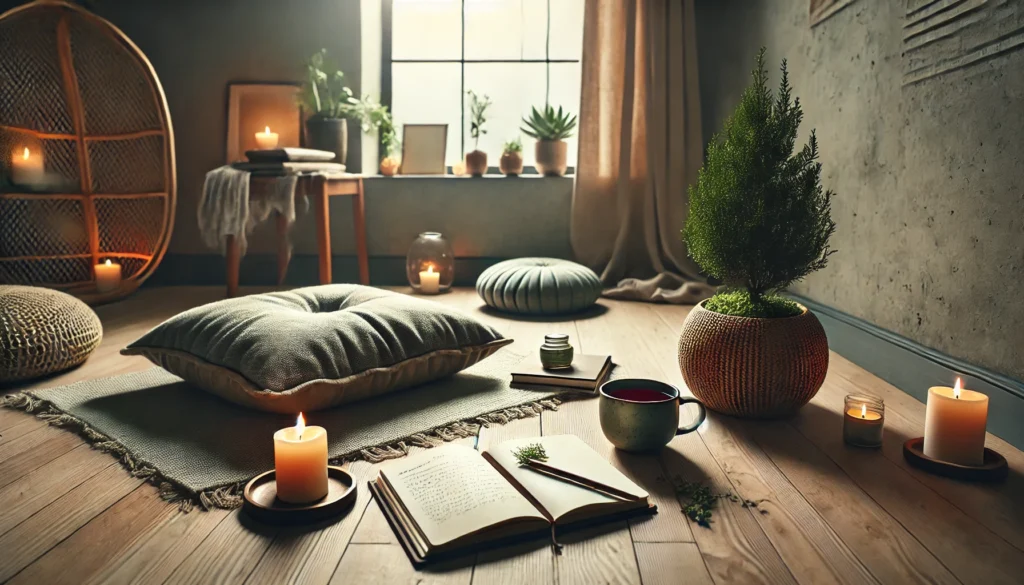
<point x="389" y="166"/>
<point x="511" y="163"/>
<point x="551" y="158"/>
<point x="753" y="368"/>
<point x="476" y="163"/>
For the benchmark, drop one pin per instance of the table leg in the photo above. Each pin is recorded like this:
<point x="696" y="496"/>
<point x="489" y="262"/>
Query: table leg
<point x="283" y="248"/>
<point x="359" y="218"/>
<point x="234" y="259"/>
<point x="321" y="204"/>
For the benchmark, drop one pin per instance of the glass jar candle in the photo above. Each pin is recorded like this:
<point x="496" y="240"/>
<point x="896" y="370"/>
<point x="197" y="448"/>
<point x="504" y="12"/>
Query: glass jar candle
<point x="430" y="264"/>
<point x="863" y="419"/>
<point x="556" y="353"/>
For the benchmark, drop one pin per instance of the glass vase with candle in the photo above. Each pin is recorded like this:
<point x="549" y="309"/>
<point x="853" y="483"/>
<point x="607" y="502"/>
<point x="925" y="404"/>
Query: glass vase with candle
<point x="863" y="420"/>
<point x="430" y="264"/>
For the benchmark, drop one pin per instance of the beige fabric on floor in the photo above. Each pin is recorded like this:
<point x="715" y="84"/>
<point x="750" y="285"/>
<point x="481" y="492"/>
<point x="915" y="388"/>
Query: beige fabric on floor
<point x="640" y="148"/>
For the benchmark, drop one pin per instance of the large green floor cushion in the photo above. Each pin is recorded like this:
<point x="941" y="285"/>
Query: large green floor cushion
<point x="43" y="331"/>
<point x="316" y="347"/>
<point x="539" y="286"/>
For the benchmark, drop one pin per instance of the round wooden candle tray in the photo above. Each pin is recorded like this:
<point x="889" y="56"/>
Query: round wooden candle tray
<point x="261" y="499"/>
<point x="993" y="469"/>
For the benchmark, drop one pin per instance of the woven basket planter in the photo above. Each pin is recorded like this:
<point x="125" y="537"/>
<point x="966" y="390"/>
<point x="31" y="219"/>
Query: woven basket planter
<point x="43" y="331"/>
<point x="753" y="368"/>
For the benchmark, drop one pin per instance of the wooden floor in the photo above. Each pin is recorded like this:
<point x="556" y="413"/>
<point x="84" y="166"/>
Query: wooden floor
<point x="826" y="513"/>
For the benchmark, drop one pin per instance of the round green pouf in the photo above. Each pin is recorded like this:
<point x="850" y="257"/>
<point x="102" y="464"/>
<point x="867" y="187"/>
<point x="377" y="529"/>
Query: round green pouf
<point x="539" y="286"/>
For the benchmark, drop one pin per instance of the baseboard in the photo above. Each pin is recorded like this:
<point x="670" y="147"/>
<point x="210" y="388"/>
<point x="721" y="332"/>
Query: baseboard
<point x="914" y="368"/>
<point x="303" y="270"/>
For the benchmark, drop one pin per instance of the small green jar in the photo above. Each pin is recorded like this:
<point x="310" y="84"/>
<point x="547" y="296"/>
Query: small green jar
<point x="556" y="353"/>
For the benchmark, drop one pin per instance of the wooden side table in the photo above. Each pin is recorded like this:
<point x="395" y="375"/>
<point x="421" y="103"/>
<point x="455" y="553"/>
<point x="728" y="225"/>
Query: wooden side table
<point x="321" y="188"/>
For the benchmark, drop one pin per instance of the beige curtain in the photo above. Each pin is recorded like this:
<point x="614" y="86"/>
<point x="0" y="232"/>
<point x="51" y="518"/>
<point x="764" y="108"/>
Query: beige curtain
<point x="640" y="147"/>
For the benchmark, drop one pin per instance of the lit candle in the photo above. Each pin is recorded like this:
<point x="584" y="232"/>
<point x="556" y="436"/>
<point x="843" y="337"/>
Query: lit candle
<point x="954" y="425"/>
<point x="26" y="167"/>
<point x="863" y="420"/>
<point x="108" y="276"/>
<point x="430" y="281"/>
<point x="300" y="463"/>
<point x="459" y="169"/>
<point x="266" y="139"/>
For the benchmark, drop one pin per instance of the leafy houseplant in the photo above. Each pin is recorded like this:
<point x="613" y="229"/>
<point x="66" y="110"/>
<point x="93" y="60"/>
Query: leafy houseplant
<point x="759" y="220"/>
<point x="550" y="127"/>
<point x="476" y="161"/>
<point x="511" y="162"/>
<point x="374" y="117"/>
<point x="329" y="101"/>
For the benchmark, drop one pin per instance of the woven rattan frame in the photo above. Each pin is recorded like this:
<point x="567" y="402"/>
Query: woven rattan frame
<point x="74" y="86"/>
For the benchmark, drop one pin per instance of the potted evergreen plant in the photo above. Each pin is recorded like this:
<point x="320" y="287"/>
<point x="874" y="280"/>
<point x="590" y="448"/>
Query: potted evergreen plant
<point x="759" y="220"/>
<point x="476" y="161"/>
<point x="329" y="101"/>
<point x="511" y="162"/>
<point x="550" y="127"/>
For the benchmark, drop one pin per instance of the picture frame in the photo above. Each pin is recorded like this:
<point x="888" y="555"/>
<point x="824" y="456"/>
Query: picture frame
<point x="423" y="149"/>
<point x="253" y="106"/>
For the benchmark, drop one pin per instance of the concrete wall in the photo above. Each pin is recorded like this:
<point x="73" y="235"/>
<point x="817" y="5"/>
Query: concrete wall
<point x="919" y="119"/>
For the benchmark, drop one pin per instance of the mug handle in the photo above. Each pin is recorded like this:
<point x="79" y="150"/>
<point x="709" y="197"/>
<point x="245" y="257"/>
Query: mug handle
<point x="702" y="413"/>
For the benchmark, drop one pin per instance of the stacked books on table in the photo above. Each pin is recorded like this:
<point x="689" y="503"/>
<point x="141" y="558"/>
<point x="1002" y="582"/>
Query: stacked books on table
<point x="453" y="500"/>
<point x="277" y="161"/>
<point x="587" y="372"/>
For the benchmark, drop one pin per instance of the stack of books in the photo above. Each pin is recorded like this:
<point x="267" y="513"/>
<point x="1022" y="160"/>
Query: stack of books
<point x="277" y="161"/>
<point x="587" y="372"/>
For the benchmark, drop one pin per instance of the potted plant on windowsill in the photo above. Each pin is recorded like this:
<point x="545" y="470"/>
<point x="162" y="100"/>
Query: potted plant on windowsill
<point x="511" y="162"/>
<point x="374" y="117"/>
<point x="550" y="127"/>
<point x="476" y="161"/>
<point x="329" y="102"/>
<point x="759" y="220"/>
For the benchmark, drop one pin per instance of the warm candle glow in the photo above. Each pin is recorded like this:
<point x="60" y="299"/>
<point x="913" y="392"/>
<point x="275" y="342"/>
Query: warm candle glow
<point x="300" y="426"/>
<point x="430" y="268"/>
<point x="266" y="130"/>
<point x="863" y="410"/>
<point x="956" y="389"/>
<point x="107" y="262"/>
<point x="26" y="154"/>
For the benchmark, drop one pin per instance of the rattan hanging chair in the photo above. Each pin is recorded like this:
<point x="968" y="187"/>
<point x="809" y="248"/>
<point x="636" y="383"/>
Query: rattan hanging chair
<point x="76" y="93"/>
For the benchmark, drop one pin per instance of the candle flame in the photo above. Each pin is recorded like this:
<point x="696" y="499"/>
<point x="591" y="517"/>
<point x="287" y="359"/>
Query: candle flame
<point x="430" y="268"/>
<point x="956" y="389"/>
<point x="863" y="410"/>
<point x="300" y="425"/>
<point x="266" y="130"/>
<point x="107" y="262"/>
<point x="25" y="154"/>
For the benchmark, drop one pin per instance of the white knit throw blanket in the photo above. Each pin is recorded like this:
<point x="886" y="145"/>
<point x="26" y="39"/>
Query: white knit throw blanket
<point x="225" y="209"/>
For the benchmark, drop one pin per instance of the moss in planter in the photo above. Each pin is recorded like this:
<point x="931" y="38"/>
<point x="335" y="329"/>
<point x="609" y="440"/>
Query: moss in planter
<point x="738" y="303"/>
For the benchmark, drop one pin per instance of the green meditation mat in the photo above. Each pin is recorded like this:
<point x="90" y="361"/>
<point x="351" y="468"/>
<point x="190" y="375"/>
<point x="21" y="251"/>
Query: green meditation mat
<point x="201" y="449"/>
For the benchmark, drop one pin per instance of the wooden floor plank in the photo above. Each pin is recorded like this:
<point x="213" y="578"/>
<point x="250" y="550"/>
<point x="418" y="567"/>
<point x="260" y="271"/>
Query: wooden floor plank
<point x="670" y="563"/>
<point x="20" y="426"/>
<point x="30" y="452"/>
<point x="34" y="491"/>
<point x="45" y="529"/>
<point x="603" y="554"/>
<point x="12" y="417"/>
<point x="154" y="556"/>
<point x="228" y="554"/>
<point x="386" y="564"/>
<point x="84" y="553"/>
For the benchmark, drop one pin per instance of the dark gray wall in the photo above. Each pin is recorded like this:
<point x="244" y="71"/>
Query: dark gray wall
<point x="920" y="118"/>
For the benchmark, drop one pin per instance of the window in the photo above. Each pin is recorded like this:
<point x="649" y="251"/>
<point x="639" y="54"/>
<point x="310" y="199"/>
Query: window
<point x="520" y="53"/>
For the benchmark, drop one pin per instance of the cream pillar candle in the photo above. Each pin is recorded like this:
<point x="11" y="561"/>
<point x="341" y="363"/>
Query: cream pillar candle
<point x="430" y="281"/>
<point x="108" y="276"/>
<point x="266" y="140"/>
<point x="26" y="167"/>
<point x="954" y="425"/>
<point x="300" y="463"/>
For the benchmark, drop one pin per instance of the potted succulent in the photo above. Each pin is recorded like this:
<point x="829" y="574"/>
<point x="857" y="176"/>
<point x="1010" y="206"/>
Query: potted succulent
<point x="329" y="102"/>
<point x="511" y="162"/>
<point x="476" y="161"/>
<point x="759" y="220"/>
<point x="550" y="127"/>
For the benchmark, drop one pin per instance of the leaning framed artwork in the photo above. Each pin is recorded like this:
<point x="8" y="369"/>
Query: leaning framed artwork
<point x="423" y="149"/>
<point x="254" y="107"/>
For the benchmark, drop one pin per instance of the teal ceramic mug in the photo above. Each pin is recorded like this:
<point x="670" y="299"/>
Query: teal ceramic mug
<point x="643" y="415"/>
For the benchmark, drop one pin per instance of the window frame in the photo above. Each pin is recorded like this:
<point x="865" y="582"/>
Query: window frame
<point x="387" y="61"/>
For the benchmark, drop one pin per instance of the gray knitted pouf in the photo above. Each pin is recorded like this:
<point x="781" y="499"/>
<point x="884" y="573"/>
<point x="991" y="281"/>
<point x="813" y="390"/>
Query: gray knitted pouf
<point x="43" y="331"/>
<point x="539" y="286"/>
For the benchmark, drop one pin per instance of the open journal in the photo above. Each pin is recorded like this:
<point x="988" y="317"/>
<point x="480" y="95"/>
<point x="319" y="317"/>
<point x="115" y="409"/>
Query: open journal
<point x="454" y="499"/>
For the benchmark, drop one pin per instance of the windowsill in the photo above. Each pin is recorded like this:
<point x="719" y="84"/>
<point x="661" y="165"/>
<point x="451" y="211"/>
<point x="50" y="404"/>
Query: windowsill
<point x="470" y="178"/>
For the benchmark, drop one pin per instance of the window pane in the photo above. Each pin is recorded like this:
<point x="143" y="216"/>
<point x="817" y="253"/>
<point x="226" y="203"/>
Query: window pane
<point x="426" y="29"/>
<point x="566" y="29"/>
<point x="565" y="92"/>
<point x="428" y="93"/>
<point x="494" y="29"/>
<point x="513" y="88"/>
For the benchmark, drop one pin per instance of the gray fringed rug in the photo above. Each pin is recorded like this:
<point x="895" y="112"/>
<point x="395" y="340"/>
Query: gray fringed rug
<point x="201" y="449"/>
